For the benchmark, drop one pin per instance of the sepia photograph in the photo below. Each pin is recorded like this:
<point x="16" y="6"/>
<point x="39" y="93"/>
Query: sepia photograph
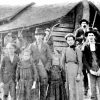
<point x="49" y="50"/>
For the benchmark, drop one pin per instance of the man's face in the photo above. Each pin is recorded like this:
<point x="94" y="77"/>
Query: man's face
<point x="70" y="41"/>
<point x="91" y="37"/>
<point x="11" y="50"/>
<point x="39" y="38"/>
<point x="84" y="25"/>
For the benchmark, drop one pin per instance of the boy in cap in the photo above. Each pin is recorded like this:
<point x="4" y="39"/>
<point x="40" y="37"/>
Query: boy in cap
<point x="92" y="61"/>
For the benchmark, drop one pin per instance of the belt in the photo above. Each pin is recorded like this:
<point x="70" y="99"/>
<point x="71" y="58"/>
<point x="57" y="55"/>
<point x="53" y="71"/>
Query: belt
<point x="72" y="61"/>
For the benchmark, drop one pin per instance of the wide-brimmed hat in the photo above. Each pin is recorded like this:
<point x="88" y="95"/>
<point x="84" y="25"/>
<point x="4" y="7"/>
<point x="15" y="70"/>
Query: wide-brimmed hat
<point x="84" y="20"/>
<point x="69" y="35"/>
<point x="40" y="31"/>
<point x="91" y="30"/>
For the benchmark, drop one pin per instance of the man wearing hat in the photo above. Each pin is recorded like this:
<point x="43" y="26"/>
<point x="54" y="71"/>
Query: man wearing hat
<point x="80" y="38"/>
<point x="80" y="32"/>
<point x="91" y="60"/>
<point x="42" y="58"/>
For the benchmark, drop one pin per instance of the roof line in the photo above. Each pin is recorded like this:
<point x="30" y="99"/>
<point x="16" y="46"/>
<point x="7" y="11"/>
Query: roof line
<point x="21" y="11"/>
<point x="20" y="28"/>
<point x="94" y="6"/>
<point x="11" y="18"/>
<point x="39" y="24"/>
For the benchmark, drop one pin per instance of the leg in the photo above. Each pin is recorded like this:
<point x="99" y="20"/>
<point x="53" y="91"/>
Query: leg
<point x="21" y="90"/>
<point x="6" y="91"/>
<point x="98" y="82"/>
<point x="13" y="90"/>
<point x="93" y="87"/>
<point x="43" y="89"/>
<point x="85" y="80"/>
<point x="28" y="89"/>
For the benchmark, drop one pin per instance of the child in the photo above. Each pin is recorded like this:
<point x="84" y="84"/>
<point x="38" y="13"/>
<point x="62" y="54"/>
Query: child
<point x="26" y="75"/>
<point x="8" y="72"/>
<point x="56" y="90"/>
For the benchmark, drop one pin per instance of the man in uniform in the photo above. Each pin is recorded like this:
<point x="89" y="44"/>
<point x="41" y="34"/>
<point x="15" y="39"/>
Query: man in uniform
<point x="42" y="58"/>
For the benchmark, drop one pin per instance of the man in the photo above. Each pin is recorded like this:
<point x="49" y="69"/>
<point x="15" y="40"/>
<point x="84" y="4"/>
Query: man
<point x="80" y="39"/>
<point x="80" y="32"/>
<point x="42" y="59"/>
<point x="91" y="60"/>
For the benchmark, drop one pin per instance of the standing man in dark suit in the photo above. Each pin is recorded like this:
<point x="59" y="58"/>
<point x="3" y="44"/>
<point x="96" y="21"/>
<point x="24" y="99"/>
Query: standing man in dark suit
<point x="80" y="39"/>
<point x="92" y="61"/>
<point x="42" y="58"/>
<point x="8" y="72"/>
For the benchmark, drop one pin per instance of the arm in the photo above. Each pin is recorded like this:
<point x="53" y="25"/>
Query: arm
<point x="35" y="73"/>
<point x="18" y="69"/>
<point x="49" y="58"/>
<point x="79" y="58"/>
<point x="85" y="59"/>
<point x="63" y="58"/>
<point x="2" y="68"/>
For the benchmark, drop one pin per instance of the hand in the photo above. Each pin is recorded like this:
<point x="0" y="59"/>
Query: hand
<point x="93" y="72"/>
<point x="98" y="72"/>
<point x="34" y="85"/>
<point x="78" y="77"/>
<point x="1" y="85"/>
<point x="17" y="85"/>
<point x="82" y="36"/>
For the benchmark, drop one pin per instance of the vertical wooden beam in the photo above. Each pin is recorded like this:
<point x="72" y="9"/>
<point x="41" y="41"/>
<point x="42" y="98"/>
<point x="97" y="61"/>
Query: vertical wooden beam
<point x="79" y="14"/>
<point x="86" y="11"/>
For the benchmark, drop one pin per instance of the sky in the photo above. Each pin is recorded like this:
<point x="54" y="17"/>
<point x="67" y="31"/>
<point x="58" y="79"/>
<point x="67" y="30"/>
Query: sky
<point x="38" y="2"/>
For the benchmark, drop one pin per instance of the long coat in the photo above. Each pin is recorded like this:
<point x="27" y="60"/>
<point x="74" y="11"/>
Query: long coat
<point x="44" y="55"/>
<point x="72" y="63"/>
<point x="87" y="56"/>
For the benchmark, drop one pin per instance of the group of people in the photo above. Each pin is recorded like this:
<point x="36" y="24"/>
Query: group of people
<point x="39" y="72"/>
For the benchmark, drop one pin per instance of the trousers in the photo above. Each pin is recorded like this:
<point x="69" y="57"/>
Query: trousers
<point x="94" y="81"/>
<point x="9" y="87"/>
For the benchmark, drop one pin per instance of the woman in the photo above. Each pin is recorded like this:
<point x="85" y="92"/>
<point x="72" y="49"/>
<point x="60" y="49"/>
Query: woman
<point x="72" y="64"/>
<point x="56" y="89"/>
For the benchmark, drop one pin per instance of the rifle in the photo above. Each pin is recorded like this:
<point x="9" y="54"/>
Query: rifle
<point x="94" y="19"/>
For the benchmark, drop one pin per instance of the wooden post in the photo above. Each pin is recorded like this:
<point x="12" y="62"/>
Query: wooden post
<point x="86" y="11"/>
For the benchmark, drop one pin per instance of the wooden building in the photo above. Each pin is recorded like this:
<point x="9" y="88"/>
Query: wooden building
<point x="60" y="18"/>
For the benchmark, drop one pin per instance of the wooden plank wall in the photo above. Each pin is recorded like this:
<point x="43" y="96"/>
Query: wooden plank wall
<point x="63" y="29"/>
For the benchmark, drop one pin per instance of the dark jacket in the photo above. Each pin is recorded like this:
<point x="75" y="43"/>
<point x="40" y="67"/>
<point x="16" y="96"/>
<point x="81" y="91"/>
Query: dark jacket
<point x="44" y="55"/>
<point x="8" y="69"/>
<point x="78" y="33"/>
<point x="87" y="56"/>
